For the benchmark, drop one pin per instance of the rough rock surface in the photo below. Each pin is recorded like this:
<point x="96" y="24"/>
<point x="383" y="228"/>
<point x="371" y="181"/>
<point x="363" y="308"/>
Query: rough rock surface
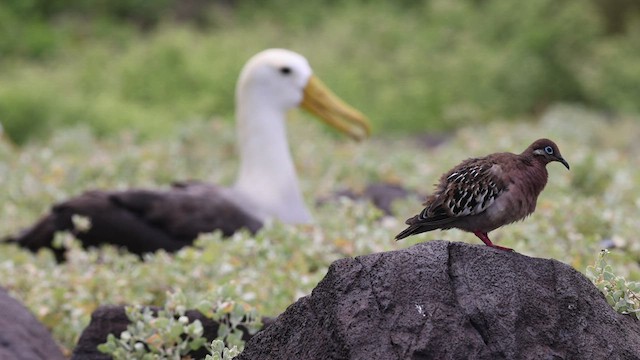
<point x="22" y="336"/>
<point x="441" y="300"/>
<point x="112" y="319"/>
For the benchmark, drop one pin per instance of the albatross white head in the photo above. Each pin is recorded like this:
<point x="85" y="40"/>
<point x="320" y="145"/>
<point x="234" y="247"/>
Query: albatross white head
<point x="270" y="84"/>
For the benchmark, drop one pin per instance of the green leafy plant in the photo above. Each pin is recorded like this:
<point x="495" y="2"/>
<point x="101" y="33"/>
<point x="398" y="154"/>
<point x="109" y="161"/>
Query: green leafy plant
<point x="623" y="295"/>
<point x="169" y="334"/>
<point x="219" y="351"/>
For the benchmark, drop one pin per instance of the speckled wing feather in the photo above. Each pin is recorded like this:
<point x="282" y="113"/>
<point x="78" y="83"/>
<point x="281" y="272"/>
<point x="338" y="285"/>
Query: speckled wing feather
<point x="467" y="190"/>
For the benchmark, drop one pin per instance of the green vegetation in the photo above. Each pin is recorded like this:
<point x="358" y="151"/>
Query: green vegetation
<point x="623" y="295"/>
<point x="114" y="94"/>
<point x="412" y="66"/>
<point x="271" y="270"/>
<point x="169" y="334"/>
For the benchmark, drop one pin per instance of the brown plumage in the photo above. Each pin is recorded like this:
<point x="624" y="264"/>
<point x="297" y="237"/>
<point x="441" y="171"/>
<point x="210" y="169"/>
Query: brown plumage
<point x="483" y="194"/>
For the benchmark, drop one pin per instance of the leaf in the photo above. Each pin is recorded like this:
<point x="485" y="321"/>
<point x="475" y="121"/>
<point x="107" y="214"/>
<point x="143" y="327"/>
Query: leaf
<point x="205" y="307"/>
<point x="155" y="342"/>
<point x="197" y="343"/>
<point x="217" y="346"/>
<point x="608" y="275"/>
<point x="106" y="348"/>
<point x="175" y="331"/>
<point x="195" y="329"/>
<point x="616" y="295"/>
<point x="621" y="305"/>
<point x="160" y="323"/>
<point x="633" y="286"/>
<point x="610" y="299"/>
<point x="223" y="330"/>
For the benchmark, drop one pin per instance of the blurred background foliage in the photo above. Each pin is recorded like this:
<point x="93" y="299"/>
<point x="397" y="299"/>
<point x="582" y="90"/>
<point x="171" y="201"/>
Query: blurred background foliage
<point x="142" y="91"/>
<point x="414" y="65"/>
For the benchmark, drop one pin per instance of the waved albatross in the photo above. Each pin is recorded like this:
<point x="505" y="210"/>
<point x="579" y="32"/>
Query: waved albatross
<point x="142" y="220"/>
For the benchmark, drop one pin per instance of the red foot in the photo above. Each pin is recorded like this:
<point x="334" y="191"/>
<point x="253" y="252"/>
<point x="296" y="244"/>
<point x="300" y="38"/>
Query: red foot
<point x="501" y="247"/>
<point x="485" y="239"/>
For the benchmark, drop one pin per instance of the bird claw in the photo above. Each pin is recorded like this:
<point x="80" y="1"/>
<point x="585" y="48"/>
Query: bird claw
<point x="485" y="239"/>
<point x="501" y="247"/>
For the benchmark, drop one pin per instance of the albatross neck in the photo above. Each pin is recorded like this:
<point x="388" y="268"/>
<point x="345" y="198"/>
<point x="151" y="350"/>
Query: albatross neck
<point x="267" y="178"/>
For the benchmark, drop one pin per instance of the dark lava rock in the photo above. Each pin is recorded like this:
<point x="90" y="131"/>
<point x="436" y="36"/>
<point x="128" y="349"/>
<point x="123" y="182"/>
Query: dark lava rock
<point x="441" y="300"/>
<point x="22" y="336"/>
<point x="112" y="319"/>
<point x="105" y="320"/>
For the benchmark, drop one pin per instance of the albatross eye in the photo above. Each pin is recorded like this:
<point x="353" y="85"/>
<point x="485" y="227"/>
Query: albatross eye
<point x="548" y="150"/>
<point x="285" y="70"/>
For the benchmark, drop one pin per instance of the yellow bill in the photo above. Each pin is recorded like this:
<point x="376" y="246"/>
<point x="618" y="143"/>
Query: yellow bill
<point x="319" y="100"/>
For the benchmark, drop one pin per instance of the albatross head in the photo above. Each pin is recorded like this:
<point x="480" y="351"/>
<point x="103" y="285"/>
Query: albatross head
<point x="270" y="84"/>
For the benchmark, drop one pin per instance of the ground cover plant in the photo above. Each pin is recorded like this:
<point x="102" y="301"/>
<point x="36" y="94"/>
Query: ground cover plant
<point x="140" y="93"/>
<point x="169" y="334"/>
<point x="579" y="213"/>
<point x="623" y="295"/>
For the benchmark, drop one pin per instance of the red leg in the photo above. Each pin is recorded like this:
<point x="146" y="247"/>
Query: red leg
<point x="485" y="239"/>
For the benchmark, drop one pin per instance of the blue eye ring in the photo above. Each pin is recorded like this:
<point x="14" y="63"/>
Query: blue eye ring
<point x="548" y="150"/>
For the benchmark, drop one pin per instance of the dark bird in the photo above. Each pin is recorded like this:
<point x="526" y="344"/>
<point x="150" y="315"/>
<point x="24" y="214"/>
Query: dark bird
<point x="270" y="84"/>
<point x="483" y="194"/>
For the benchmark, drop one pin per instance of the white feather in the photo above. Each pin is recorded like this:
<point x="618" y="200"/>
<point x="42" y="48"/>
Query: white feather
<point x="267" y="183"/>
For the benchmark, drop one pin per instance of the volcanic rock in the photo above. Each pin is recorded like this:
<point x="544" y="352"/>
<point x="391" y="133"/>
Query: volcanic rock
<point x="441" y="300"/>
